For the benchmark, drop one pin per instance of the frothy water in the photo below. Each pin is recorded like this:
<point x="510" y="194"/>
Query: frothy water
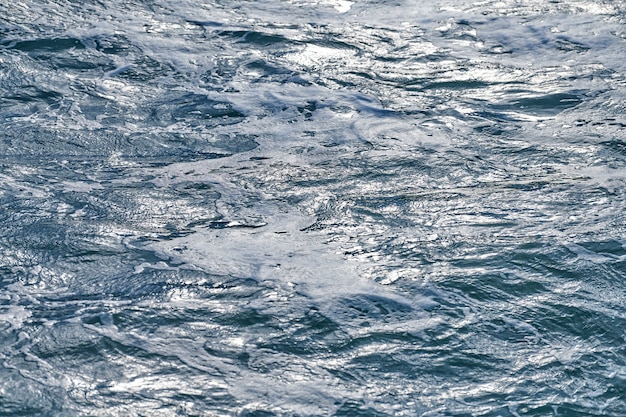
<point x="307" y="207"/>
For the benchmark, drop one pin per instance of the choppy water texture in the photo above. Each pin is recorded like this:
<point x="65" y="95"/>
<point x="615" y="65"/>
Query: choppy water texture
<point x="312" y="207"/>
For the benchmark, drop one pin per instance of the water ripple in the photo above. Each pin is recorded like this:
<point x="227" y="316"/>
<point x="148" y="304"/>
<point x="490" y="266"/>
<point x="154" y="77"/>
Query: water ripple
<point x="312" y="208"/>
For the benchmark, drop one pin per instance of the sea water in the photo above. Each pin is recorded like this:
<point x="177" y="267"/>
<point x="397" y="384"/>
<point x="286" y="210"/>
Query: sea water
<point x="312" y="208"/>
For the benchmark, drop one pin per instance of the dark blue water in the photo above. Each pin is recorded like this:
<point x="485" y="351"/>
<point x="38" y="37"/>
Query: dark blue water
<point x="313" y="207"/>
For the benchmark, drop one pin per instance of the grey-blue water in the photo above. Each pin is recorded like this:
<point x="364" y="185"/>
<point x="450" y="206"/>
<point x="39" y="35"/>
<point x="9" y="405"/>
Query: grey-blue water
<point x="313" y="208"/>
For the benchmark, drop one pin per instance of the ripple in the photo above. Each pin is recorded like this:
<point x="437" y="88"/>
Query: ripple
<point x="312" y="208"/>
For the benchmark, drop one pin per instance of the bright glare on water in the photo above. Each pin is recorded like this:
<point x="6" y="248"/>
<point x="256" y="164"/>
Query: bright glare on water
<point x="313" y="208"/>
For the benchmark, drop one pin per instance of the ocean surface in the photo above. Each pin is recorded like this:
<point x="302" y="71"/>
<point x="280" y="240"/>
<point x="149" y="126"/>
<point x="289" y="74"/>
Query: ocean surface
<point x="313" y="208"/>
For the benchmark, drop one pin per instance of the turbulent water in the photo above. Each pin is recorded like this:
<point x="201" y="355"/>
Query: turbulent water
<point x="313" y="207"/>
